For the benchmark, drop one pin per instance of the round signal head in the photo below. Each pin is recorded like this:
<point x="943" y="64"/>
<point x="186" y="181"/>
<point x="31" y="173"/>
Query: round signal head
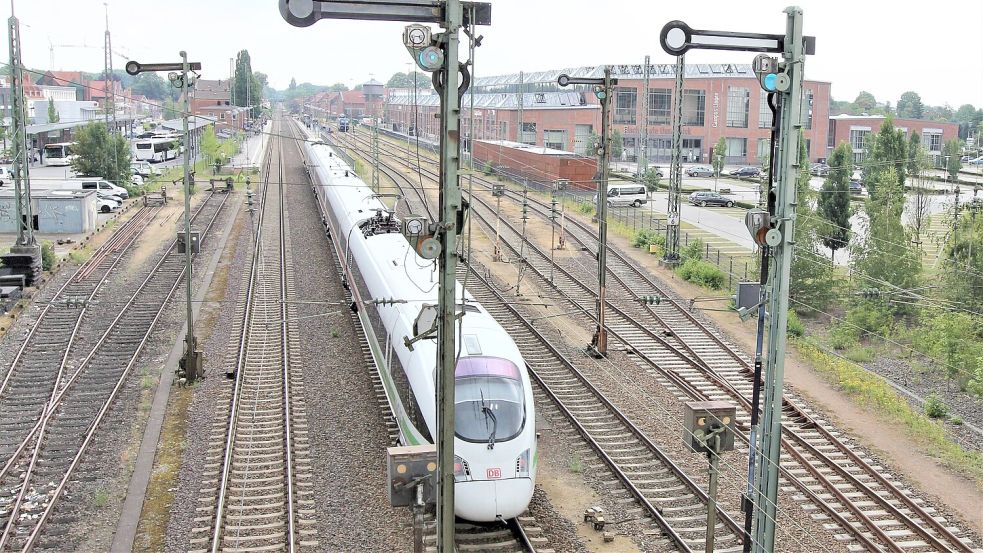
<point x="563" y="80"/>
<point x="430" y="58"/>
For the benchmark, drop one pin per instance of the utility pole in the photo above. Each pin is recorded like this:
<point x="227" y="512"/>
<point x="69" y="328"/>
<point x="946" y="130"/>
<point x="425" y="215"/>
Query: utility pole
<point x="436" y="53"/>
<point x="25" y="254"/>
<point x="109" y="85"/>
<point x="787" y="168"/>
<point x="602" y="90"/>
<point x="520" y="130"/>
<point x="671" y="257"/>
<point x="190" y="368"/>
<point x="775" y="230"/>
<point x="643" y="158"/>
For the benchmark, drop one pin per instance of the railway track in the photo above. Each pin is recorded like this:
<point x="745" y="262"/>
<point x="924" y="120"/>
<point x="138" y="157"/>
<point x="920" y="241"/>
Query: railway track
<point x="258" y="493"/>
<point x="518" y="535"/>
<point x="88" y="355"/>
<point x="862" y="502"/>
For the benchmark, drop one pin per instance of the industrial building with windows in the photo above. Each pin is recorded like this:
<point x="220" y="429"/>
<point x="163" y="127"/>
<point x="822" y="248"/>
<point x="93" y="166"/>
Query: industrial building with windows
<point x="719" y="101"/>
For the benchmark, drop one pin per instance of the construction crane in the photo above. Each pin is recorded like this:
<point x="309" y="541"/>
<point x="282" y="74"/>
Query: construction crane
<point x="52" y="46"/>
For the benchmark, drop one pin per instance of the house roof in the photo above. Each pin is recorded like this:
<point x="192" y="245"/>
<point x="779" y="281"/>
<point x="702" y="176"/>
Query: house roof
<point x="194" y="122"/>
<point x="206" y="89"/>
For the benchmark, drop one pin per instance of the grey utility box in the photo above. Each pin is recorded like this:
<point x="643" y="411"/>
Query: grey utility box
<point x="195" y="242"/>
<point x="701" y="417"/>
<point x="748" y="294"/>
<point x="408" y="467"/>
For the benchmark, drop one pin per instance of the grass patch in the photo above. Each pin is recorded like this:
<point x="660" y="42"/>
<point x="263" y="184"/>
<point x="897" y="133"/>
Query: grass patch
<point x="702" y="273"/>
<point x="163" y="481"/>
<point x="576" y="465"/>
<point x="859" y="354"/>
<point x="869" y="390"/>
<point x="100" y="498"/>
<point x="80" y="255"/>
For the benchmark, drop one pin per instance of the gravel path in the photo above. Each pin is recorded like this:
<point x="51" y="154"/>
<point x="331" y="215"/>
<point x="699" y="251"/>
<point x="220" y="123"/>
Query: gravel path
<point x="347" y="436"/>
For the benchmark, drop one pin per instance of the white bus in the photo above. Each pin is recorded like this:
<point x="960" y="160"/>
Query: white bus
<point x="158" y="148"/>
<point x="58" y="155"/>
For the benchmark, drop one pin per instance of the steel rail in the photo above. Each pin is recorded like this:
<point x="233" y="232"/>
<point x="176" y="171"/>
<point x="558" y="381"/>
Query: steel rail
<point x="93" y="261"/>
<point x="55" y="494"/>
<point x="240" y="361"/>
<point x="703" y="366"/>
<point x="285" y="352"/>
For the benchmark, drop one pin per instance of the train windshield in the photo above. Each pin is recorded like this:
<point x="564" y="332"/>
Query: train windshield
<point x="488" y="400"/>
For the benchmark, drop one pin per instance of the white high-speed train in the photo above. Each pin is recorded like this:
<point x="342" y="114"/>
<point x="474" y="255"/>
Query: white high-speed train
<point x="495" y="445"/>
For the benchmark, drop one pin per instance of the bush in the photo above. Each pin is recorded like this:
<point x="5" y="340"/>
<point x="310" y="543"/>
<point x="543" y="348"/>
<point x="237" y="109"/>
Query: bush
<point x="794" y="325"/>
<point x="872" y="318"/>
<point x="702" y="273"/>
<point x="585" y="208"/>
<point x="488" y="168"/>
<point x="843" y="336"/>
<point x="48" y="257"/>
<point x="859" y="354"/>
<point x="693" y="250"/>
<point x="935" y="407"/>
<point x="646" y="237"/>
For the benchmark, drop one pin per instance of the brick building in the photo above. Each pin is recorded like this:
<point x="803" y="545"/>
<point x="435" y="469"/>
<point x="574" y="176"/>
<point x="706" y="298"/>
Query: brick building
<point x="857" y="129"/>
<point x="212" y="99"/>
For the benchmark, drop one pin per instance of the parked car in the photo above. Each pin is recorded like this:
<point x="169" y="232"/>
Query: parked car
<point x="749" y="171"/>
<point x="704" y="199"/>
<point x="137" y="180"/>
<point x="6" y="176"/>
<point x="626" y="194"/>
<point x="699" y="171"/>
<point x="106" y="205"/>
<point x="96" y="183"/>
<point x="856" y="187"/>
<point x="144" y="169"/>
<point x="975" y="161"/>
<point x="819" y="169"/>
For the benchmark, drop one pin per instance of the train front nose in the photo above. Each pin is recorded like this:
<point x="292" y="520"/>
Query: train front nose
<point x="487" y="500"/>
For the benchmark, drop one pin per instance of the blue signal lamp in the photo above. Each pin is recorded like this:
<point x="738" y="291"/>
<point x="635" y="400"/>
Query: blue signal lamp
<point x="769" y="82"/>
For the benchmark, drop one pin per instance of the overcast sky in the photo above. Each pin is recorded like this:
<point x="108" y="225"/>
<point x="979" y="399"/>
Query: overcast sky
<point x="882" y="46"/>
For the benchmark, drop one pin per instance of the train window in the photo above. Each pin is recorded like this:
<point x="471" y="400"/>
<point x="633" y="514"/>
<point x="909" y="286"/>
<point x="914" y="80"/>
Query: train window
<point x="489" y="404"/>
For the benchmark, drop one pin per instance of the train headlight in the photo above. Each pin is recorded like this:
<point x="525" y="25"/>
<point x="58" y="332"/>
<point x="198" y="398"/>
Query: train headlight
<point x="523" y="464"/>
<point x="462" y="472"/>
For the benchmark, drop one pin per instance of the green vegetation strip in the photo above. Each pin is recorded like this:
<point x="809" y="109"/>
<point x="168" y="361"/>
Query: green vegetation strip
<point x="872" y="391"/>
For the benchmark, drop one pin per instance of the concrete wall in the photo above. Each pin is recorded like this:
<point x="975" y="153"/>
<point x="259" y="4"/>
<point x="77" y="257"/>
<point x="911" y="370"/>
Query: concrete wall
<point x="73" y="213"/>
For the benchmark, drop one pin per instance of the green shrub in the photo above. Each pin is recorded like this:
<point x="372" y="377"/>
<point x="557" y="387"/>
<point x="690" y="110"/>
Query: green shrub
<point x="859" y="354"/>
<point x="935" y="407"/>
<point x="585" y="208"/>
<point x="871" y="319"/>
<point x="702" y="273"/>
<point x="646" y="237"/>
<point x="48" y="257"/>
<point x="693" y="250"/>
<point x="487" y="168"/>
<point x="794" y="325"/>
<point x="843" y="336"/>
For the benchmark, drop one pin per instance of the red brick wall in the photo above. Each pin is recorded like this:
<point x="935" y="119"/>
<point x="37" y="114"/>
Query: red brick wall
<point x="541" y="167"/>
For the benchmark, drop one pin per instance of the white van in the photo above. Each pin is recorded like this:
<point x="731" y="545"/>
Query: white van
<point x="96" y="184"/>
<point x="634" y="195"/>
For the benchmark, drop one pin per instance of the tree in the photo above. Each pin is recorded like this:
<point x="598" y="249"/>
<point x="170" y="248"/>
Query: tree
<point x="293" y="84"/>
<point x="400" y="80"/>
<point x="651" y="179"/>
<point x="886" y="258"/>
<point x="209" y="144"/>
<point x="962" y="258"/>
<point x="151" y="85"/>
<point x="338" y="87"/>
<point x="888" y="151"/>
<point x="950" y="155"/>
<point x="53" y="116"/>
<point x="719" y="155"/>
<point x="247" y="90"/>
<point x="865" y="102"/>
<point x="910" y="106"/>
<point x="617" y="144"/>
<point x="811" y="284"/>
<point x="101" y="154"/>
<point x="834" y="199"/>
<point x="919" y="215"/>
<point x="171" y="109"/>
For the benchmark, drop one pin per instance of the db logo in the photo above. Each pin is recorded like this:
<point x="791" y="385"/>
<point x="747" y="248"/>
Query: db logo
<point x="494" y="473"/>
